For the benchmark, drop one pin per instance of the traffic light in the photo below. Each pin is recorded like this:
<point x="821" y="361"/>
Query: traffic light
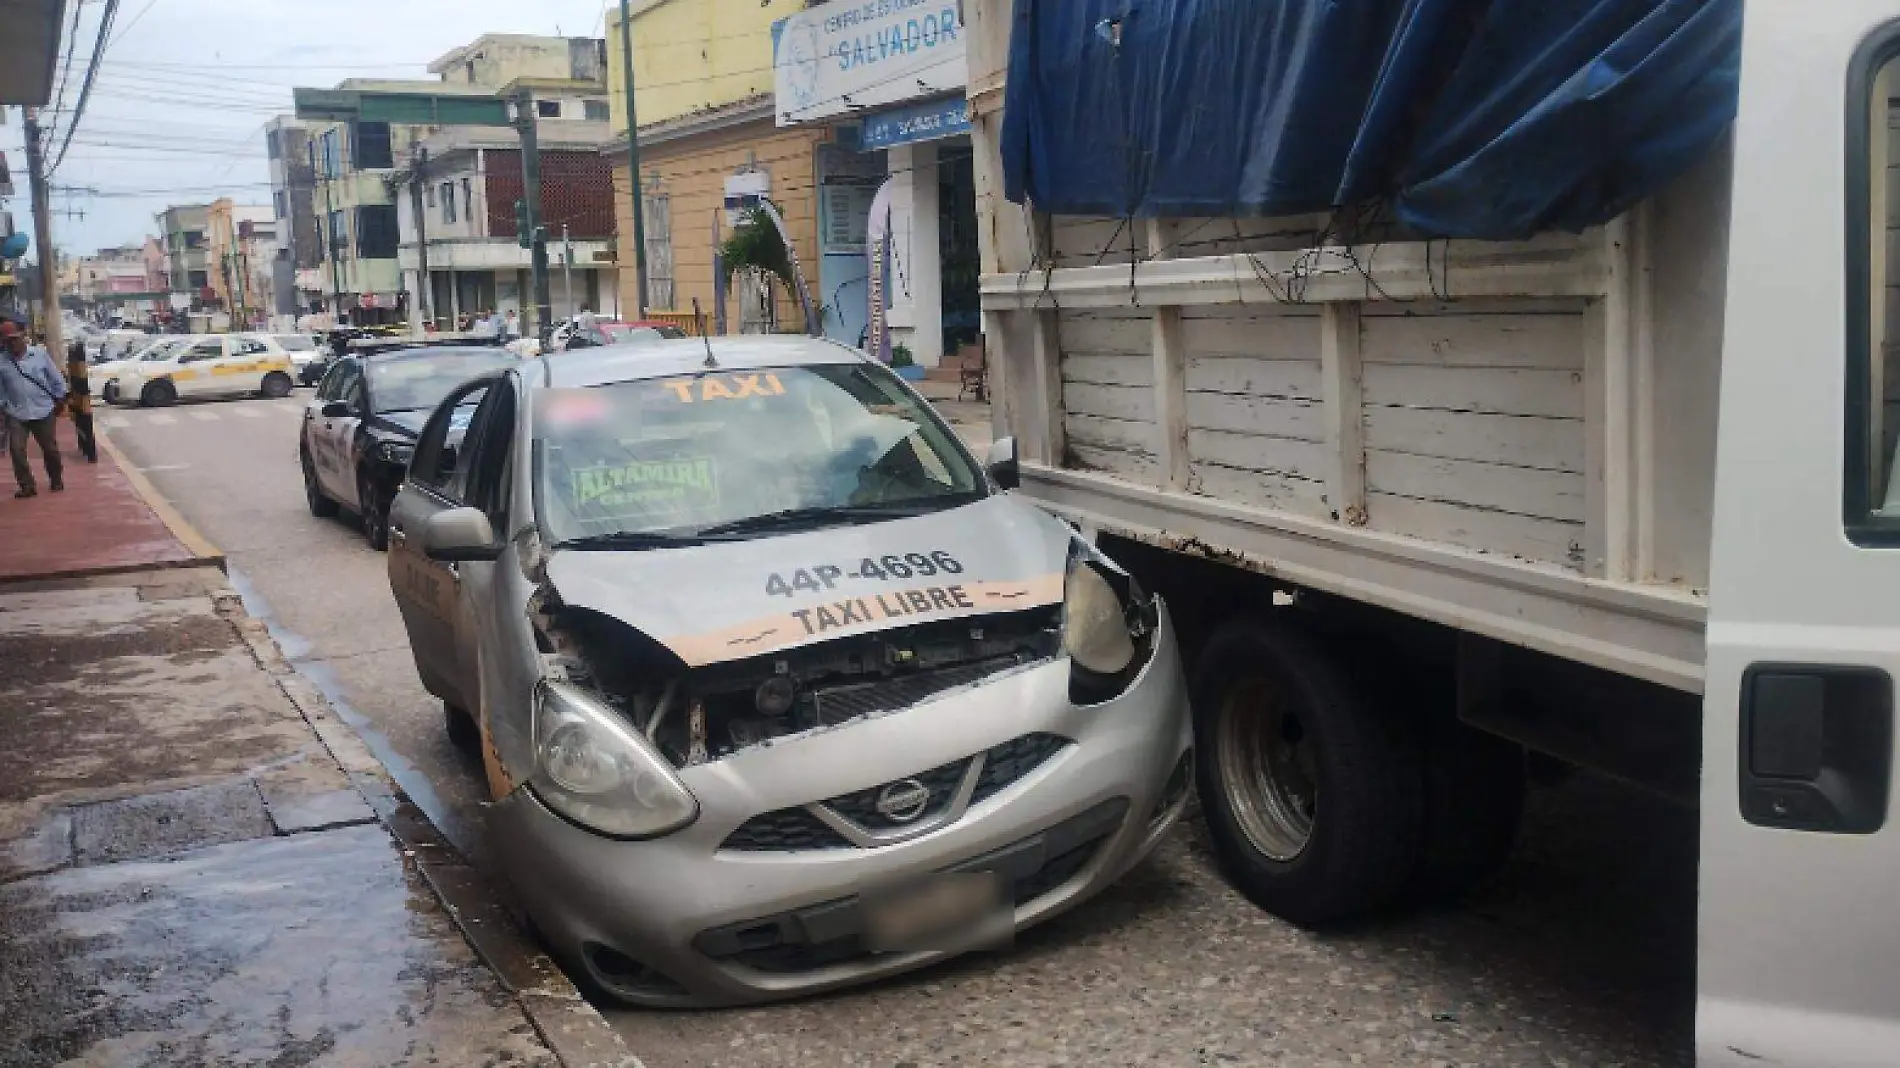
<point x="522" y="234"/>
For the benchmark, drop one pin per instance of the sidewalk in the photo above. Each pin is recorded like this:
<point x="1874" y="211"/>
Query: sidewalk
<point x="99" y="525"/>
<point x="970" y="419"/>
<point x="200" y="863"/>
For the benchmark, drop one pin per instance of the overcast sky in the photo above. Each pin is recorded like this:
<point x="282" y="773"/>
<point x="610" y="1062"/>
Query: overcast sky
<point x="178" y="110"/>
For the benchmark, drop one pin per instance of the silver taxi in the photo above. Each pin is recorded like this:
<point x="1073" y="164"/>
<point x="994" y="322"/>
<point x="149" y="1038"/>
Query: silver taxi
<point x="775" y="687"/>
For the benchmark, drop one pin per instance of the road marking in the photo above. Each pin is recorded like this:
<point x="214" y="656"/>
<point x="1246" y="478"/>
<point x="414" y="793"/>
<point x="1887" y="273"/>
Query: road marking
<point x="205" y="417"/>
<point x="165" y="467"/>
<point x="248" y="413"/>
<point x="161" y="419"/>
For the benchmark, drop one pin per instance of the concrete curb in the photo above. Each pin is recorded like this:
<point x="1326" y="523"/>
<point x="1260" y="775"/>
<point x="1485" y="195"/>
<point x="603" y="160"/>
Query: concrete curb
<point x="571" y="1027"/>
<point x="207" y="554"/>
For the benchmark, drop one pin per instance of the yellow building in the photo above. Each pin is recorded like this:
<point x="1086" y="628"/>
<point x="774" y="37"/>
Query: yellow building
<point x="708" y="148"/>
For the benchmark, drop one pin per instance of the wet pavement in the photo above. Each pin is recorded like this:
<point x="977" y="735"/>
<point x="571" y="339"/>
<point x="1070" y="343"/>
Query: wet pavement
<point x="1581" y="953"/>
<point x="98" y="525"/>
<point x="188" y="875"/>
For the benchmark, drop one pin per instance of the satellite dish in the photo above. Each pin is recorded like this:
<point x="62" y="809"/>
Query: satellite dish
<point x="13" y="247"/>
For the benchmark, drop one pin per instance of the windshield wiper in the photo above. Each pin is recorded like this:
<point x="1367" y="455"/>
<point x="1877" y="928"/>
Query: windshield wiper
<point x="631" y="540"/>
<point x="792" y="518"/>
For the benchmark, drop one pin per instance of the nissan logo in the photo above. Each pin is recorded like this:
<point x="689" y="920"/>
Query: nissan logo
<point x="903" y="801"/>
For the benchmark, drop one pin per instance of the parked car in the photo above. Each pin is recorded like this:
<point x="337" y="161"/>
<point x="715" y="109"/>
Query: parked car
<point x="301" y="348"/>
<point x="759" y="722"/>
<point x="360" y="429"/>
<point x="605" y="332"/>
<point x="211" y="365"/>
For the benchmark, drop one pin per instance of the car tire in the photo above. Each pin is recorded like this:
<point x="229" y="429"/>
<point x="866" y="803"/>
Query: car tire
<point x="463" y="732"/>
<point x="109" y="393"/>
<point x="276" y="385"/>
<point x="158" y="394"/>
<point x="1312" y="794"/>
<point x="374" y="510"/>
<point x="320" y="506"/>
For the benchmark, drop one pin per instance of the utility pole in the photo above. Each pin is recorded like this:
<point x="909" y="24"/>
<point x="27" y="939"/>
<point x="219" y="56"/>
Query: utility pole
<point x="43" y="234"/>
<point x="567" y="266"/>
<point x="525" y="123"/>
<point x="424" y="289"/>
<point x="633" y="162"/>
<point x="326" y="240"/>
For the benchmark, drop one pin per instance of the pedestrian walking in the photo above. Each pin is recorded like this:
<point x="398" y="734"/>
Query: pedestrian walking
<point x="79" y="401"/>
<point x="511" y="328"/>
<point x="587" y="320"/>
<point x="31" y="391"/>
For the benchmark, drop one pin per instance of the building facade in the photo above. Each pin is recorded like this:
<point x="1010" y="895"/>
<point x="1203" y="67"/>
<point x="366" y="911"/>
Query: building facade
<point x="362" y="135"/>
<point x="182" y="229"/>
<point x="293" y="189"/>
<point x="458" y="203"/>
<point x="242" y="246"/>
<point x="709" y="150"/>
<point x="897" y="193"/>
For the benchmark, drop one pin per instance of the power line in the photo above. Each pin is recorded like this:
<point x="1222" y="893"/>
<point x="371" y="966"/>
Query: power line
<point x="66" y="69"/>
<point x="85" y="91"/>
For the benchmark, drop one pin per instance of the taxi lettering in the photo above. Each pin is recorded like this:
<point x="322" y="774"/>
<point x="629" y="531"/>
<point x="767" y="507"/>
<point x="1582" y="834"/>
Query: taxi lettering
<point x="727" y="387"/>
<point x="883" y="606"/>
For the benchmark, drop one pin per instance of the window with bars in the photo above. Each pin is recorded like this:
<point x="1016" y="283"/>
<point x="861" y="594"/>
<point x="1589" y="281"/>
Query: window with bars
<point x="659" y="249"/>
<point x="448" y="202"/>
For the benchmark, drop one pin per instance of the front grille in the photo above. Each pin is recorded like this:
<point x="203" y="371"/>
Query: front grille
<point x="840" y="703"/>
<point x="861" y="807"/>
<point x="1012" y="760"/>
<point x="833" y="932"/>
<point x="792" y="829"/>
<point x="787" y="830"/>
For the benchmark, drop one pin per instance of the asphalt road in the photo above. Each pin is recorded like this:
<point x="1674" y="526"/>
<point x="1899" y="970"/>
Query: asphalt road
<point x="1580" y="953"/>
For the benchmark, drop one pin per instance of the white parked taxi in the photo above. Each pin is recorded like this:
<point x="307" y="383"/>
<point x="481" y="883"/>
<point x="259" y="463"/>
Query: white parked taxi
<point x="210" y="365"/>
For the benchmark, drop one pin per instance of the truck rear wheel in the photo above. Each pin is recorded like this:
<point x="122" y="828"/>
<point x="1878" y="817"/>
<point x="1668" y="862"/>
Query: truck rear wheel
<point x="1314" y="797"/>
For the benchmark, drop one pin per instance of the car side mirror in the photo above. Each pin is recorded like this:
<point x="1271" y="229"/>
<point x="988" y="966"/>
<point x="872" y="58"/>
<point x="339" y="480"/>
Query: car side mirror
<point x="459" y="534"/>
<point x="1002" y="464"/>
<point x="336" y="410"/>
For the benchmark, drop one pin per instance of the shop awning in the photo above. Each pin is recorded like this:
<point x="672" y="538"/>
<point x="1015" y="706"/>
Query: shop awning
<point x="30" y="29"/>
<point x="1470" y="118"/>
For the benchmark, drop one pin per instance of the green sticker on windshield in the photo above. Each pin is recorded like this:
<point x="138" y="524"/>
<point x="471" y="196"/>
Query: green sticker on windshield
<point x="648" y="485"/>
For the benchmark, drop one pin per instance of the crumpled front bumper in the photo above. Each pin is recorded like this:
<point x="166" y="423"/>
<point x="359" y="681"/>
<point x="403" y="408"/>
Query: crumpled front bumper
<point x="681" y="907"/>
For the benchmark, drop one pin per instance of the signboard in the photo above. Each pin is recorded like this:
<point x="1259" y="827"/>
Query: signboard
<point x="877" y="340"/>
<point x="918" y="122"/>
<point x="844" y="57"/>
<point x="847" y="215"/>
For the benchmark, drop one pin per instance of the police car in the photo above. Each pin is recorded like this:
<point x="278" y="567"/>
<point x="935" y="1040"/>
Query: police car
<point x="361" y="427"/>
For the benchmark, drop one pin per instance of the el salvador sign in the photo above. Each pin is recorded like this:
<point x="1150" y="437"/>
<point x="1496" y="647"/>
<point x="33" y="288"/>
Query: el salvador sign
<point x="840" y="58"/>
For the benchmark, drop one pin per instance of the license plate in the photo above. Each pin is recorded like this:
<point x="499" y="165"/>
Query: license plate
<point x="953" y="913"/>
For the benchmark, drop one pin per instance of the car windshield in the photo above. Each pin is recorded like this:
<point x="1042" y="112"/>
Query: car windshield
<point x="737" y="452"/>
<point x="296" y="343"/>
<point x="418" y="382"/>
<point x="164" y="349"/>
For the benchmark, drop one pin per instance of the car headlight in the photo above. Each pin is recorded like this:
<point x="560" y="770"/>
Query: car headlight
<point x="1107" y="626"/>
<point x="594" y="768"/>
<point x="395" y="452"/>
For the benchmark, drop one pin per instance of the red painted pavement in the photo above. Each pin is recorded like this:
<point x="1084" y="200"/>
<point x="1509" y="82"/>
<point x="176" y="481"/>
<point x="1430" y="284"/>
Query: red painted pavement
<point x="99" y="524"/>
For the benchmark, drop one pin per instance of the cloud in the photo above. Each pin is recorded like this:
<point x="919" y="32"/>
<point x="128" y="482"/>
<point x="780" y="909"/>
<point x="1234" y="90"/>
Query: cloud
<point x="178" y="110"/>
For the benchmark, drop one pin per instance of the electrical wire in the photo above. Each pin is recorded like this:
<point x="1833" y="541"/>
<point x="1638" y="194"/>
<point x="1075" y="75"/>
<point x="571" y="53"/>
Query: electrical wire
<point x="85" y="90"/>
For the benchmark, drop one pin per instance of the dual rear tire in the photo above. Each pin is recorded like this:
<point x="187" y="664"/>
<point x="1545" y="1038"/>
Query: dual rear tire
<point x="1332" y="791"/>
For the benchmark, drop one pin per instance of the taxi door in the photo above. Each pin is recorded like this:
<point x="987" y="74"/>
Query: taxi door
<point x="196" y="372"/>
<point x="428" y="592"/>
<point x="1798" y="949"/>
<point x="332" y="435"/>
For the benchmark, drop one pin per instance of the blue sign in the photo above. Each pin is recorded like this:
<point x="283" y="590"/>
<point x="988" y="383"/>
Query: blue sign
<point x="917" y="122"/>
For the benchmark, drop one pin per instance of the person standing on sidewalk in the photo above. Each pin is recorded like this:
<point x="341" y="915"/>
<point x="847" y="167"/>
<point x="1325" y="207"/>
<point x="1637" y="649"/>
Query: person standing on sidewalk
<point x="79" y="400"/>
<point x="31" y="390"/>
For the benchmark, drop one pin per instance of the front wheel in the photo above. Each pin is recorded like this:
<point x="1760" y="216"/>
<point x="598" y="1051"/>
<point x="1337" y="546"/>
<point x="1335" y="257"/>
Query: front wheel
<point x="375" y="511"/>
<point x="110" y="393"/>
<point x="1313" y="795"/>
<point x="276" y="385"/>
<point x="158" y="394"/>
<point x="320" y="506"/>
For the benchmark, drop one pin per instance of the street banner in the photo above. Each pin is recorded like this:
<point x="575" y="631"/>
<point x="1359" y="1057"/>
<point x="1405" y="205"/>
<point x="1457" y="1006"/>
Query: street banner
<point x="877" y="242"/>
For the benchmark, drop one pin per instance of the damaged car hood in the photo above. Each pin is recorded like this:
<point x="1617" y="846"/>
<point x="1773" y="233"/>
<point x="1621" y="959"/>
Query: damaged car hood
<point x="732" y="600"/>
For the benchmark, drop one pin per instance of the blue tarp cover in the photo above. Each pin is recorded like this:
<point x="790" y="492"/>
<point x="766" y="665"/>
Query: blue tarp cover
<point x="1473" y="118"/>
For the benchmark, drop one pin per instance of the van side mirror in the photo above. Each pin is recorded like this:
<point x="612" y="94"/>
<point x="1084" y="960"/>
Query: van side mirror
<point x="459" y="534"/>
<point x="1001" y="464"/>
